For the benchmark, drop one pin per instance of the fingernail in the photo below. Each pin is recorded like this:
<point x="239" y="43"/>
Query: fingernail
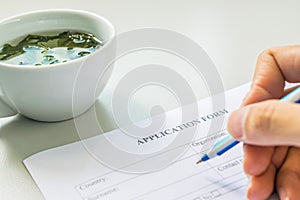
<point x="249" y="194"/>
<point x="235" y="123"/>
<point x="244" y="102"/>
<point x="282" y="194"/>
<point x="249" y="180"/>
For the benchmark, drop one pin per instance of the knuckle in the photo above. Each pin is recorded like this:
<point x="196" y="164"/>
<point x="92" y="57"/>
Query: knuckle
<point x="259" y="121"/>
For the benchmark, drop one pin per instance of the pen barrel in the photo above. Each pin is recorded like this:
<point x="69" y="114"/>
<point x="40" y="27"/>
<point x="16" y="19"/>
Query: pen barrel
<point x="292" y="97"/>
<point x="222" y="146"/>
<point x="229" y="146"/>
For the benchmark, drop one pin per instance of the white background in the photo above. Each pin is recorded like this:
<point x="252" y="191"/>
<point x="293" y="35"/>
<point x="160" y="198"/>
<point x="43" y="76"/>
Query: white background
<point x="233" y="33"/>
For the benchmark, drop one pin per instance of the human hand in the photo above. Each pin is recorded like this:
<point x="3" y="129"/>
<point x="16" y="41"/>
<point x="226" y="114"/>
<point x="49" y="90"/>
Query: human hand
<point x="270" y="129"/>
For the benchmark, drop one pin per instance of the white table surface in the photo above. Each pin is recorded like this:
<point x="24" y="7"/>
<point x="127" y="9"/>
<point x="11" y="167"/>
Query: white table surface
<point x="232" y="32"/>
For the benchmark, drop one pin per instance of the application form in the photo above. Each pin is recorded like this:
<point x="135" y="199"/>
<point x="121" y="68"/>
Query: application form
<point x="93" y="170"/>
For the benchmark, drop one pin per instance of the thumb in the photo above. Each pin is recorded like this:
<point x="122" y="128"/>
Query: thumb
<point x="267" y="123"/>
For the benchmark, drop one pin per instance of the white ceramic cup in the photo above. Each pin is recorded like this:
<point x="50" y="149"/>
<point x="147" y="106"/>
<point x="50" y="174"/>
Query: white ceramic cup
<point x="45" y="93"/>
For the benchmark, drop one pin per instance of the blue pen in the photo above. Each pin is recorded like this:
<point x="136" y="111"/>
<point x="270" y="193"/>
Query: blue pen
<point x="228" y="141"/>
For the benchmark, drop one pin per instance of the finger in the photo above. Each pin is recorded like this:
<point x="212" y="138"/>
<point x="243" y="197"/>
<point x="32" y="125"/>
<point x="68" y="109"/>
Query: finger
<point x="279" y="156"/>
<point x="261" y="187"/>
<point x="257" y="159"/>
<point x="273" y="68"/>
<point x="262" y="168"/>
<point x="266" y="123"/>
<point x="288" y="178"/>
<point x="254" y="98"/>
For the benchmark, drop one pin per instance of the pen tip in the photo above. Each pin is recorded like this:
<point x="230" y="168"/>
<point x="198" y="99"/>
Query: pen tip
<point x="199" y="161"/>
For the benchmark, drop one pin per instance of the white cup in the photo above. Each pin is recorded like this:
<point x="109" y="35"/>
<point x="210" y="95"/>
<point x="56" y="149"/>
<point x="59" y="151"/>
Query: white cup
<point x="46" y="93"/>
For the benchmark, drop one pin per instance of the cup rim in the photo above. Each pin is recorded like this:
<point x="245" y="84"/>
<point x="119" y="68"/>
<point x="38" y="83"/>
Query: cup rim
<point x="60" y="65"/>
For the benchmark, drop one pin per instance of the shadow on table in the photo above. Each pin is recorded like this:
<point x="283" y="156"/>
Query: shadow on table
<point x="21" y="137"/>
